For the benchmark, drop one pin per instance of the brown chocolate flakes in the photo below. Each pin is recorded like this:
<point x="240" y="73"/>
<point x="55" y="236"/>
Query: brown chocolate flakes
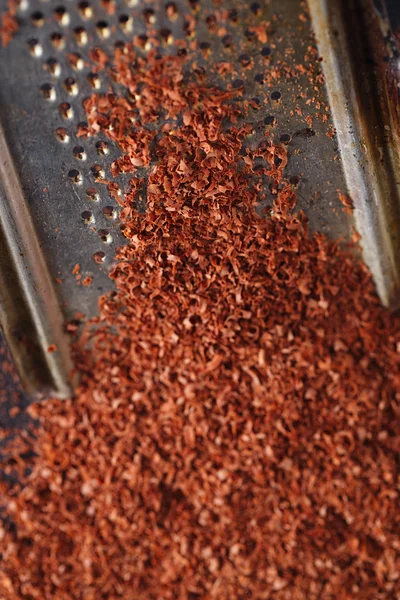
<point x="236" y="430"/>
<point x="8" y="23"/>
<point x="346" y="201"/>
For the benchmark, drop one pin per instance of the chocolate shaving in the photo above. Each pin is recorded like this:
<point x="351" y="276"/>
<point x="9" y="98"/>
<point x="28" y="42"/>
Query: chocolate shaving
<point x="236" y="430"/>
<point x="8" y="23"/>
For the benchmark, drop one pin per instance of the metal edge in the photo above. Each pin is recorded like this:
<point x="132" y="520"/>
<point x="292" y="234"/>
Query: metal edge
<point x="361" y="71"/>
<point x="30" y="313"/>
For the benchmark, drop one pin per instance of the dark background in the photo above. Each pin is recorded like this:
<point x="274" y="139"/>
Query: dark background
<point x="394" y="12"/>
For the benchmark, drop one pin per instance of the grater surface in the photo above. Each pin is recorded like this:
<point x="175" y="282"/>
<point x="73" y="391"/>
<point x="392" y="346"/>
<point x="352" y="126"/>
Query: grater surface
<point x="45" y="164"/>
<point x="46" y="74"/>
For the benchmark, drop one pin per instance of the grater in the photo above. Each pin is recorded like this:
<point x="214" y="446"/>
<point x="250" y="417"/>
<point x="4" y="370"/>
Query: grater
<point x="59" y="226"/>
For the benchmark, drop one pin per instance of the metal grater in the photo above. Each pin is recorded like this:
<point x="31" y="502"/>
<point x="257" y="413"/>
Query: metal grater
<point x="55" y="214"/>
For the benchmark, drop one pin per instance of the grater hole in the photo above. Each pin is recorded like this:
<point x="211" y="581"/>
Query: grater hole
<point x="255" y="103"/>
<point x="259" y="78"/>
<point x="126" y="23"/>
<point x="53" y="66"/>
<point x="295" y="180"/>
<point x="204" y="45"/>
<point x="81" y="35"/>
<point x="48" y="91"/>
<point x="187" y="29"/>
<point x="76" y="61"/>
<point x="171" y="11"/>
<point x="35" y="49"/>
<point x="255" y="8"/>
<point x="79" y="153"/>
<point x="120" y="45"/>
<point x="199" y="72"/>
<point x="94" y="80"/>
<point x="57" y="40"/>
<point x="103" y="29"/>
<point x="97" y="171"/>
<point x="244" y="59"/>
<point x="61" y="16"/>
<point x="266" y="51"/>
<point x="305" y="133"/>
<point x="105" y="236"/>
<point x="237" y="83"/>
<point x="75" y="175"/>
<point x="83" y="129"/>
<point x="62" y="135"/>
<point x="166" y="35"/>
<point x="194" y="5"/>
<point x="211" y="22"/>
<point x="227" y="41"/>
<point x="182" y="52"/>
<point x="276" y="95"/>
<point x="87" y="217"/>
<point x="263" y="145"/>
<point x="149" y="16"/>
<point x="92" y="194"/>
<point x="270" y="120"/>
<point x="66" y="110"/>
<point x="85" y="10"/>
<point x="109" y="212"/>
<point x="143" y="42"/>
<point x="102" y="147"/>
<point x="233" y="15"/>
<point x="285" y="138"/>
<point x="250" y="34"/>
<point x="37" y="19"/>
<point x="99" y="257"/>
<point x="71" y="86"/>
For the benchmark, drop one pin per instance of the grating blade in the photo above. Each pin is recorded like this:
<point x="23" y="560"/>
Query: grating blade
<point x="46" y="72"/>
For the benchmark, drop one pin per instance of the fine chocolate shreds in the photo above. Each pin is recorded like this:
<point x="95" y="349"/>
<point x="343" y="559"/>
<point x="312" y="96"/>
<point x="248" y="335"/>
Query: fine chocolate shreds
<point x="8" y="23"/>
<point x="236" y="430"/>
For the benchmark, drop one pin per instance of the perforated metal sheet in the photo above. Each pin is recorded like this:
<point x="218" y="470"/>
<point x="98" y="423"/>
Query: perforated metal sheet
<point x="37" y="64"/>
<point x="46" y="73"/>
